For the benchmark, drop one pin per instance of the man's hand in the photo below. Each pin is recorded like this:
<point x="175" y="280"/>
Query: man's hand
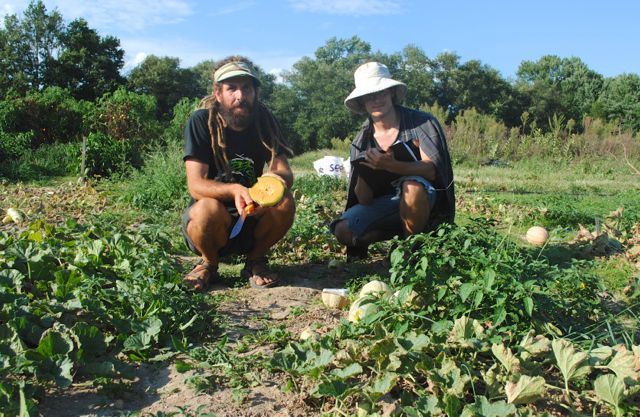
<point x="241" y="198"/>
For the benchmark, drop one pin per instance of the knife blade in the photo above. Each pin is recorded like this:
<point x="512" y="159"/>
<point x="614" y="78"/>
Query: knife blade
<point x="238" y="226"/>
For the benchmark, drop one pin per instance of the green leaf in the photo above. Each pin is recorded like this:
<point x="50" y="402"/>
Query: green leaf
<point x="441" y="327"/>
<point x="526" y="390"/>
<point x="383" y="383"/>
<point x="100" y="368"/>
<point x="137" y="342"/>
<point x="90" y="340"/>
<point x="54" y="343"/>
<point x="466" y="290"/>
<point x="417" y="341"/>
<point x="572" y="364"/>
<point x="528" y="306"/>
<point x="334" y="388"/>
<point x="182" y="367"/>
<point x="499" y="315"/>
<point x="351" y="370"/>
<point x="452" y="405"/>
<point x="483" y="408"/>
<point x="610" y="389"/>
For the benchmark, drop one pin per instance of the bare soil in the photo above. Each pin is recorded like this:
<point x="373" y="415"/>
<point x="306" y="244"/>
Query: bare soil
<point x="159" y="388"/>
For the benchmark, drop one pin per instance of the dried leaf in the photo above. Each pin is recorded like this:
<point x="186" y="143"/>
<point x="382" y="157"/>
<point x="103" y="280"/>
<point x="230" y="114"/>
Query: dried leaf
<point x="534" y="345"/>
<point x="526" y="390"/>
<point x="506" y="358"/>
<point x="623" y="364"/>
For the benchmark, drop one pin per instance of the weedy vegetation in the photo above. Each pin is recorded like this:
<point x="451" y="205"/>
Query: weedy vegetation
<point x="90" y="286"/>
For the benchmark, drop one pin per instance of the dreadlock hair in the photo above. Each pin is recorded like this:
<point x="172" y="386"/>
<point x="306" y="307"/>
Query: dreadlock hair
<point x="268" y="128"/>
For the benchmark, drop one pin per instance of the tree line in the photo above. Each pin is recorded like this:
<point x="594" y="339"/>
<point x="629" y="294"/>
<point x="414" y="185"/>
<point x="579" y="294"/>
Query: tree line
<point x="39" y="52"/>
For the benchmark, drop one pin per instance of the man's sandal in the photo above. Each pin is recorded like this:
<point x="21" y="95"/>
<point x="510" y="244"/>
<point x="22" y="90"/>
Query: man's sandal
<point x="200" y="276"/>
<point x="256" y="270"/>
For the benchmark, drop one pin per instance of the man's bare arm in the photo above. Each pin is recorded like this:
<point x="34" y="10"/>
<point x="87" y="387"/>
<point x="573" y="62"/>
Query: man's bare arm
<point x="200" y="186"/>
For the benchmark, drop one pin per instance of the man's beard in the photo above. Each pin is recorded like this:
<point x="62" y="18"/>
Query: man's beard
<point x="235" y="119"/>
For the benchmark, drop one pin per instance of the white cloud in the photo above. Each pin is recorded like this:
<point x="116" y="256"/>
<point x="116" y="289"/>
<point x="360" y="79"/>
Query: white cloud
<point x="348" y="7"/>
<point x="137" y="59"/>
<point x="107" y="15"/>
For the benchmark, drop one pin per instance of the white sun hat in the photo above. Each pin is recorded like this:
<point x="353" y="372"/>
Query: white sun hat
<point x="371" y="78"/>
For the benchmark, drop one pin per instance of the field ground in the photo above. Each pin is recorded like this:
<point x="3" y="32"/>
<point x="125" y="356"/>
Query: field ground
<point x="562" y="199"/>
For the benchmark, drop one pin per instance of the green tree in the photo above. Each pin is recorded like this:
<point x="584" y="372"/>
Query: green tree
<point x="88" y="65"/>
<point x="320" y="86"/>
<point x="416" y="71"/>
<point x="620" y="101"/>
<point x="28" y="46"/>
<point x="162" y="78"/>
<point x="481" y="87"/>
<point x="560" y="86"/>
<point x="443" y="68"/>
<point x="203" y="70"/>
<point x="41" y="32"/>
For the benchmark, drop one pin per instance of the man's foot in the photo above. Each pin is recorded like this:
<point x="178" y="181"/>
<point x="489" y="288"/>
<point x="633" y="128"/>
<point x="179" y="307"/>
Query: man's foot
<point x="258" y="274"/>
<point x="200" y="276"/>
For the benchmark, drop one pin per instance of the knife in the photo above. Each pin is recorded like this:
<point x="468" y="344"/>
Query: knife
<point x="238" y="226"/>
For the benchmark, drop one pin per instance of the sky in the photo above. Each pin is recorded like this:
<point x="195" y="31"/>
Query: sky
<point x="275" y="34"/>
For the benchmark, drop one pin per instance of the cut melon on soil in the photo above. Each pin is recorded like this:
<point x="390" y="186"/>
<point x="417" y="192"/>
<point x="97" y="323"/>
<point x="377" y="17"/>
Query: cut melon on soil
<point x="267" y="192"/>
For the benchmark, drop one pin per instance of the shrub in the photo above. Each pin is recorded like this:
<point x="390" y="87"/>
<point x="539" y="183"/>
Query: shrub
<point x="52" y="115"/>
<point x="14" y="145"/>
<point x="105" y="155"/>
<point x="123" y="127"/>
<point x="181" y="112"/>
<point x="126" y="116"/>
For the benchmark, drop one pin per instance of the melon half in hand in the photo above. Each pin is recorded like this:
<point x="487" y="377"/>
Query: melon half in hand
<point x="267" y="192"/>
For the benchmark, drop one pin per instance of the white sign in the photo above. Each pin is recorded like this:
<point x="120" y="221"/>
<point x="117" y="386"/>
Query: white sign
<point x="332" y="165"/>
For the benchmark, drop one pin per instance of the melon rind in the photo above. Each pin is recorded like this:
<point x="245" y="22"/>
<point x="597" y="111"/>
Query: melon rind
<point x="375" y="287"/>
<point x="537" y="235"/>
<point x="267" y="192"/>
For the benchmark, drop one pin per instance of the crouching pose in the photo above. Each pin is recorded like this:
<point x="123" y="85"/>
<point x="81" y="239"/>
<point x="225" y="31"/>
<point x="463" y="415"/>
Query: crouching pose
<point x="401" y="181"/>
<point x="229" y="142"/>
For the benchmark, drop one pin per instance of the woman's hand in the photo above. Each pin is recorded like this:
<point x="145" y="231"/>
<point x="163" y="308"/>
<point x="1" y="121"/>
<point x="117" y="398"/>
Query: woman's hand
<point x="378" y="160"/>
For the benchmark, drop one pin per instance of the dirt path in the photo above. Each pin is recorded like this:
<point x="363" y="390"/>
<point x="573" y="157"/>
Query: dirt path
<point x="160" y="388"/>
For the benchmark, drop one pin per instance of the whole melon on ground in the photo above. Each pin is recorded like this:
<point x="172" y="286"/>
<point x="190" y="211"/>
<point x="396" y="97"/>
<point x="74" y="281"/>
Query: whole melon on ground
<point x="537" y="235"/>
<point x="334" y="300"/>
<point x="361" y="309"/>
<point x="375" y="287"/>
<point x="267" y="192"/>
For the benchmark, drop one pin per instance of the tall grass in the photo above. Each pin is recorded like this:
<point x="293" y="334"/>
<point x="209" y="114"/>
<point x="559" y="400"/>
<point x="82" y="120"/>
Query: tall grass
<point x="160" y="184"/>
<point x="45" y="161"/>
<point x="476" y="138"/>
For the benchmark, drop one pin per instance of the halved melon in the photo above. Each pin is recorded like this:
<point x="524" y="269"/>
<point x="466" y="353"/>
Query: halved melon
<point x="267" y="192"/>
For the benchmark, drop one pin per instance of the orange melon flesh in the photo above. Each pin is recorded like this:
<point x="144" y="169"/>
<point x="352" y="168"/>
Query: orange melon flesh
<point x="267" y="192"/>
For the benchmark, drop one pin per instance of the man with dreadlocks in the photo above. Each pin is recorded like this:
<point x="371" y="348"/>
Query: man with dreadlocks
<point x="228" y="142"/>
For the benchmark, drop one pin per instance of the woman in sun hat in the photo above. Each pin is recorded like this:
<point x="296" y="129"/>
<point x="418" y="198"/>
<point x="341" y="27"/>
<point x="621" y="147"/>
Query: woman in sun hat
<point x="401" y="181"/>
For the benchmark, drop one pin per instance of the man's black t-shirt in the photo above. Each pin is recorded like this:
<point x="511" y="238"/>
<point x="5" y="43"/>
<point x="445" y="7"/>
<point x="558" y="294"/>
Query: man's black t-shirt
<point x="247" y="155"/>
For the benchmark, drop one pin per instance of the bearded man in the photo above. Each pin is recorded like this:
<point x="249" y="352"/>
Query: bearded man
<point x="229" y="141"/>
